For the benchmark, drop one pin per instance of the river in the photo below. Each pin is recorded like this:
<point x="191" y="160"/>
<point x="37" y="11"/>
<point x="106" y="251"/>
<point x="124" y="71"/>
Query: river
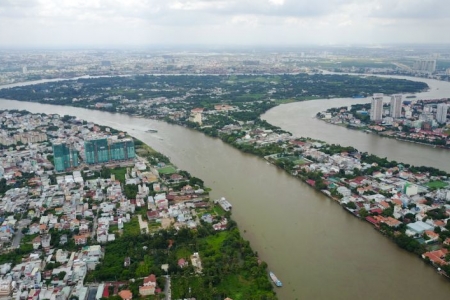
<point x="299" y="119"/>
<point x="316" y="248"/>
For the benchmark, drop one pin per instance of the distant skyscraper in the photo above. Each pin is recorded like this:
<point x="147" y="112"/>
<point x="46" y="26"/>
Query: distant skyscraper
<point x="396" y="106"/>
<point x="121" y="149"/>
<point x="64" y="157"/>
<point x="96" y="151"/>
<point x="425" y="65"/>
<point x="376" y="108"/>
<point x="105" y="150"/>
<point x="441" y="113"/>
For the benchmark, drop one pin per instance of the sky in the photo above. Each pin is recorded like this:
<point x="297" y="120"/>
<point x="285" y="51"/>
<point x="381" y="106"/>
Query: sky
<point x="68" y="23"/>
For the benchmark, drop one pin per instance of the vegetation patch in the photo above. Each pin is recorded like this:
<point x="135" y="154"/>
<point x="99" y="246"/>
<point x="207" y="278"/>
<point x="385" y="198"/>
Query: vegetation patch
<point x="119" y="173"/>
<point x="132" y="228"/>
<point x="436" y="184"/>
<point x="215" y="241"/>
<point x="167" y="170"/>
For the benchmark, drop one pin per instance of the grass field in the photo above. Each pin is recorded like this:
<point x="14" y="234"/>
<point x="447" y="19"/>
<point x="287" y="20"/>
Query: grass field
<point x="145" y="150"/>
<point x="295" y="159"/>
<point x="167" y="170"/>
<point x="238" y="286"/>
<point x="119" y="173"/>
<point x="436" y="184"/>
<point x="215" y="241"/>
<point x="300" y="162"/>
<point x="183" y="253"/>
<point x="218" y="210"/>
<point x="132" y="228"/>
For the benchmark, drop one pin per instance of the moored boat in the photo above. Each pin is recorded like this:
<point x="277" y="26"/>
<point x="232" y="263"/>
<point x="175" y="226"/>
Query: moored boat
<point x="275" y="279"/>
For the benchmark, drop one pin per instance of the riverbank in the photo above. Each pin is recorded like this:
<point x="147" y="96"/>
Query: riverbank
<point x="261" y="209"/>
<point x="419" y="123"/>
<point x="143" y="199"/>
<point x="366" y="130"/>
<point x="371" y="188"/>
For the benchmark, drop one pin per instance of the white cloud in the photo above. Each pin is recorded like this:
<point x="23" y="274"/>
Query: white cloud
<point x="40" y="22"/>
<point x="277" y="2"/>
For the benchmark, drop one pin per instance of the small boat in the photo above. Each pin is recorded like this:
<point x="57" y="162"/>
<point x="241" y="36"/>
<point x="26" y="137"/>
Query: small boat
<point x="151" y="130"/>
<point x="275" y="279"/>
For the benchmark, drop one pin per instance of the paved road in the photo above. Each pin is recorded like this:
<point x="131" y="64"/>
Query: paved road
<point x="17" y="238"/>
<point x="94" y="225"/>
<point x="167" y="291"/>
<point x="92" y="293"/>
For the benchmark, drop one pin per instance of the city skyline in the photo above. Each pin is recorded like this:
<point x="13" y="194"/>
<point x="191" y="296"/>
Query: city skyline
<point x="104" y="23"/>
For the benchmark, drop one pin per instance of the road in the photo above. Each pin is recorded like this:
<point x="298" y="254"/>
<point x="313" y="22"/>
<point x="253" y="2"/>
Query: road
<point x="94" y="225"/>
<point x="167" y="291"/>
<point x="17" y="238"/>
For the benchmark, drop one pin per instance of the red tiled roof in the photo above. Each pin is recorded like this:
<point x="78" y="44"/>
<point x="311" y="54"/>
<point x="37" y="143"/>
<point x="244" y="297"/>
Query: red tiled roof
<point x="311" y="182"/>
<point x="436" y="256"/>
<point x="372" y="220"/>
<point x="150" y="278"/>
<point x="125" y="294"/>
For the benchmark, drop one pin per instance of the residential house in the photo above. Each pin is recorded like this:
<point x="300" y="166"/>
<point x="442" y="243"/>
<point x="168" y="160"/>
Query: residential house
<point x="34" y="228"/>
<point x="80" y="239"/>
<point x="436" y="257"/>
<point x="432" y="236"/>
<point x="126" y="295"/>
<point x="36" y="242"/>
<point x="45" y="240"/>
<point x="148" y="288"/>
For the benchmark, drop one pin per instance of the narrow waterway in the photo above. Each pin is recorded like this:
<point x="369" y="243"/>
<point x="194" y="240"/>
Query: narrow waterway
<point x="317" y="249"/>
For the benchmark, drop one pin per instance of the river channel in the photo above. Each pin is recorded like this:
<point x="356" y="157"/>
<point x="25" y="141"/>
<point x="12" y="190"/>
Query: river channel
<point x="316" y="248"/>
<point x="299" y="119"/>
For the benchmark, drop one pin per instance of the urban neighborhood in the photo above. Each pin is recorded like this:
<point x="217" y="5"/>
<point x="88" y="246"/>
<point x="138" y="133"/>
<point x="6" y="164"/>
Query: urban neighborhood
<point x="70" y="189"/>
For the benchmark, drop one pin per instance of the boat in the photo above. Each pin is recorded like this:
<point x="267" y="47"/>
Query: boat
<point x="411" y="96"/>
<point x="275" y="279"/>
<point x="151" y="130"/>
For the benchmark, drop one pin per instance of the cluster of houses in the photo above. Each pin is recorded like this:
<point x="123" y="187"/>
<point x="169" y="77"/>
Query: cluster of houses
<point x="391" y="196"/>
<point x="424" y="121"/>
<point x="61" y="221"/>
<point x="51" y="274"/>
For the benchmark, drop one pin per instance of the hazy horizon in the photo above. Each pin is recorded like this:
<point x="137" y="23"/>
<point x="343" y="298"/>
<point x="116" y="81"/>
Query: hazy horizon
<point x="219" y="23"/>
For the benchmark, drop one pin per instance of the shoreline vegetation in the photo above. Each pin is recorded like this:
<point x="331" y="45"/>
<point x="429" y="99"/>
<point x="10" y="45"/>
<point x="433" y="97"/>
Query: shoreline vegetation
<point x="395" y="198"/>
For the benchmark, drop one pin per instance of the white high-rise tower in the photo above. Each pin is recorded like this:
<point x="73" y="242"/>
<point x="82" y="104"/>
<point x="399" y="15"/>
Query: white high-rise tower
<point x="376" y="108"/>
<point x="441" y="113"/>
<point x="396" y="106"/>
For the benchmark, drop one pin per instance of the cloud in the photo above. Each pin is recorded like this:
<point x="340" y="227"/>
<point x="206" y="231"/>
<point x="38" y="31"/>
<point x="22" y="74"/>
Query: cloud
<point x="220" y="21"/>
<point x="410" y="9"/>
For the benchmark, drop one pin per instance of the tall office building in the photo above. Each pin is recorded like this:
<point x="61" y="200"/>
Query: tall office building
<point x="425" y="65"/>
<point x="396" y="106"/>
<point x="96" y="151"/>
<point x="441" y="113"/>
<point x="64" y="157"/>
<point x="121" y="149"/>
<point x="376" y="107"/>
<point x="105" y="150"/>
